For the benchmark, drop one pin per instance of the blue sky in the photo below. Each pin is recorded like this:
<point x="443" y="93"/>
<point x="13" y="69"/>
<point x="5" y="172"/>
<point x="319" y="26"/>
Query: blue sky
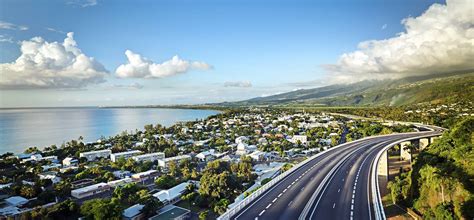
<point x="252" y="48"/>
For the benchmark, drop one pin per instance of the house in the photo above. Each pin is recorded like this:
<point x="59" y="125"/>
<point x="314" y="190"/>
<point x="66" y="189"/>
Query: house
<point x="127" y="154"/>
<point x="143" y="176"/>
<point x="93" y="155"/>
<point x="243" y="149"/>
<point x="50" y="176"/>
<point x="50" y="166"/>
<point x="241" y="139"/>
<point x="69" y="161"/>
<point x="172" y="212"/>
<point x="172" y="195"/>
<point x="165" y="162"/>
<point x="90" y="190"/>
<point x="257" y="155"/>
<point x="120" y="182"/>
<point x="303" y="139"/>
<point x="149" y="157"/>
<point x="122" y="173"/>
<point x="133" y="212"/>
<point x="206" y="155"/>
<point x="16" y="201"/>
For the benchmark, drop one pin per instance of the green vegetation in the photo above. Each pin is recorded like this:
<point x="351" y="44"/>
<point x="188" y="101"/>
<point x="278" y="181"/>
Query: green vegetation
<point x="441" y="183"/>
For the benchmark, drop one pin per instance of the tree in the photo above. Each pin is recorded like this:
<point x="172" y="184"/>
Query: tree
<point x="203" y="215"/>
<point x="221" y="206"/>
<point x="165" y="182"/>
<point x="98" y="209"/>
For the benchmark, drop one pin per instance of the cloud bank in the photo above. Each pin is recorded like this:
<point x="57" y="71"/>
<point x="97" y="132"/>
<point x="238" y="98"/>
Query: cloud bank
<point x="45" y="64"/>
<point x="140" y="67"/>
<point x="440" y="40"/>
<point x="242" y="84"/>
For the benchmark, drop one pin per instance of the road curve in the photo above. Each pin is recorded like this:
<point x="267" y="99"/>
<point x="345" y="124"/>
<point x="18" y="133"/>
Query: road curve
<point x="334" y="185"/>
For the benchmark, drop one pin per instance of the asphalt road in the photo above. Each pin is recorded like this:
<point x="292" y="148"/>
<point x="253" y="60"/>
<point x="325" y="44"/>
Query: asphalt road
<point x="346" y="172"/>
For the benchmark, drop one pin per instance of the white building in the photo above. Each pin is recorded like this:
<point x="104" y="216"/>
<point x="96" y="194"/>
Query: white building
<point x="206" y="155"/>
<point x="50" y="176"/>
<point x="243" y="149"/>
<point x="93" y="155"/>
<point x="149" y="157"/>
<point x="171" y="195"/>
<point x="120" y="182"/>
<point x="90" y="190"/>
<point x="143" y="176"/>
<point x="257" y="155"/>
<point x="241" y="139"/>
<point x="165" y="162"/>
<point x="125" y="155"/>
<point x="69" y="161"/>
<point x="303" y="139"/>
<point x="133" y="212"/>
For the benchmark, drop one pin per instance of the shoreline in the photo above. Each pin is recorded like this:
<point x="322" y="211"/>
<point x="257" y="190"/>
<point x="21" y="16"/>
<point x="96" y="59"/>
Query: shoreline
<point x="41" y="147"/>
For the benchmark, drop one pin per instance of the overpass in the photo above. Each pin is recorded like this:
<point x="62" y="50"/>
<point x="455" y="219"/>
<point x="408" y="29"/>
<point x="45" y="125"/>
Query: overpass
<point x="340" y="183"/>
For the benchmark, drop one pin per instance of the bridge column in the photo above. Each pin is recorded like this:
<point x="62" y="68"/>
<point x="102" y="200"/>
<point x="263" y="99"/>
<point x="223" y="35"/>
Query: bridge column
<point x="383" y="166"/>
<point x="424" y="142"/>
<point x="405" y="152"/>
<point x="432" y="139"/>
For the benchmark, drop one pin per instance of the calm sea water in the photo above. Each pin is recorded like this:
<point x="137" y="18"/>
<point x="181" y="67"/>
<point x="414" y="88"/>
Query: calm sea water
<point x="22" y="128"/>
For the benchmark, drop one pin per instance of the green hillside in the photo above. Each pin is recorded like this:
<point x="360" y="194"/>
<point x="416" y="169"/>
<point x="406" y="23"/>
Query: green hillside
<point x="440" y="88"/>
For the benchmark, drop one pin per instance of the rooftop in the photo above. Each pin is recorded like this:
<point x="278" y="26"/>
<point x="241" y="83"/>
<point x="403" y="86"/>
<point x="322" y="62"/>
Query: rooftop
<point x="170" y="212"/>
<point x="132" y="211"/>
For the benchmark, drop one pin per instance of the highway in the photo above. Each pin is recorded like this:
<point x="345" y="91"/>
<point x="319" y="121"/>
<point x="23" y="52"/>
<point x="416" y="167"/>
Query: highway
<point x="334" y="185"/>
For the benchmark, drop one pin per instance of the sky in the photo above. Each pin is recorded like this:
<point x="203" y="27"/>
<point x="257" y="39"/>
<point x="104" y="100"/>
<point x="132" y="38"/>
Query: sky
<point x="141" y="52"/>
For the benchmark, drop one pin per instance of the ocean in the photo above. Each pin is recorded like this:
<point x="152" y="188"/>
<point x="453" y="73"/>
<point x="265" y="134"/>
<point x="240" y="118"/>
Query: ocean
<point x="41" y="127"/>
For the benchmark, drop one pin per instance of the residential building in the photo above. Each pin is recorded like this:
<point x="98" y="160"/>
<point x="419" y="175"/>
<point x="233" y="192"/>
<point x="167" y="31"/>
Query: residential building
<point x="165" y="162"/>
<point x="133" y="212"/>
<point x="90" y="190"/>
<point x="127" y="154"/>
<point x="120" y="182"/>
<point x="149" y="157"/>
<point x="172" y="195"/>
<point x="93" y="155"/>
<point x="303" y="139"/>
<point x="172" y="212"/>
<point x="143" y="176"/>
<point x="69" y="161"/>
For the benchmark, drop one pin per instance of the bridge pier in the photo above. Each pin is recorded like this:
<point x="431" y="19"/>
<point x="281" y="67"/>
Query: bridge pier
<point x="424" y="142"/>
<point x="382" y="169"/>
<point x="405" y="151"/>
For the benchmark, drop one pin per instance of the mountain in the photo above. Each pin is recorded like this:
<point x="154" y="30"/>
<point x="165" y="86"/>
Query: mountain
<point x="436" y="88"/>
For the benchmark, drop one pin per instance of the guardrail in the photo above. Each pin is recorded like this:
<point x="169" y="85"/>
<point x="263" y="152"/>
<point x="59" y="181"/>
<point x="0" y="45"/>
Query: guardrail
<point x="376" y="197"/>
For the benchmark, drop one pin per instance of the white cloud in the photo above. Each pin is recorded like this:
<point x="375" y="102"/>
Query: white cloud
<point x="439" y="40"/>
<point x="55" y="30"/>
<point x="244" y="84"/>
<point x="140" y="67"/>
<point x="10" y="26"/>
<point x="83" y="3"/>
<point x="45" y="64"/>
<point x="6" y="39"/>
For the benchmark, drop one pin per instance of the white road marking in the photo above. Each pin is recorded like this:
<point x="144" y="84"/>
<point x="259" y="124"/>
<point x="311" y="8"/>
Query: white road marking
<point x="285" y="190"/>
<point x="268" y="206"/>
<point x="333" y="205"/>
<point x="261" y="213"/>
<point x="274" y="199"/>
<point x="339" y="190"/>
<point x="279" y="195"/>
<point x="290" y="202"/>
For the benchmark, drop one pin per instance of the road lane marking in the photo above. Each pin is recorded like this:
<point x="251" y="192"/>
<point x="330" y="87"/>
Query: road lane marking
<point x="274" y="199"/>
<point x="333" y="205"/>
<point x="261" y="213"/>
<point x="279" y="195"/>
<point x="339" y="190"/>
<point x="268" y="206"/>
<point x="290" y="203"/>
<point x="285" y="190"/>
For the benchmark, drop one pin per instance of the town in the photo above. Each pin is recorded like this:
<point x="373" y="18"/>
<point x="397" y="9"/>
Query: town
<point x="191" y="170"/>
